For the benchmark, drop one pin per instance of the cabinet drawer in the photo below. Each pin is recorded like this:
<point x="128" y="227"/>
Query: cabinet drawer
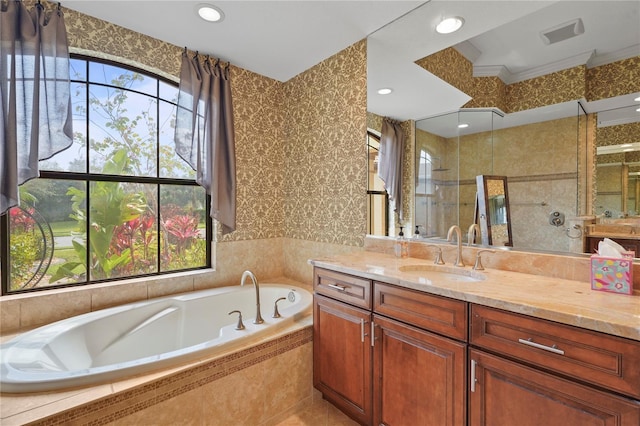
<point x="608" y="361"/>
<point x="347" y="288"/>
<point x="434" y="313"/>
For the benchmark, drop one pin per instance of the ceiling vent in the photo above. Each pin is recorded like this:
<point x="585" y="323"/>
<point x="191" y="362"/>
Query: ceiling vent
<point x="563" y="31"/>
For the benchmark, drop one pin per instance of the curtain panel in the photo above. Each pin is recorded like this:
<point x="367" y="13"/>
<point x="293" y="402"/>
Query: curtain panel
<point x="204" y="134"/>
<point x="35" y="97"/>
<point x="390" y="163"/>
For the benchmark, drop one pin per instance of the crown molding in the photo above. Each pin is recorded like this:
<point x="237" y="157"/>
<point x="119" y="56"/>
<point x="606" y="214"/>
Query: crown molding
<point x="590" y="59"/>
<point x="618" y="55"/>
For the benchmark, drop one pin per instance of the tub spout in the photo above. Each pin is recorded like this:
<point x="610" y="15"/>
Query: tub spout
<point x="249" y="274"/>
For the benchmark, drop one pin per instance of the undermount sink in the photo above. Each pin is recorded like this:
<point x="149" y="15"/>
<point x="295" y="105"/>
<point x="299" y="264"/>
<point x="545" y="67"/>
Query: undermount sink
<point x="449" y="273"/>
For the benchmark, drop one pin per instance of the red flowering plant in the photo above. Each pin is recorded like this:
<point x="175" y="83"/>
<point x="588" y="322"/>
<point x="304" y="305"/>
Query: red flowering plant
<point x="183" y="229"/>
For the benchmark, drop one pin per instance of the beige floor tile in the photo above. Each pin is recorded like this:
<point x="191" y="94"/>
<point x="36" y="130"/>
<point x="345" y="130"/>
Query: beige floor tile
<point x="319" y="413"/>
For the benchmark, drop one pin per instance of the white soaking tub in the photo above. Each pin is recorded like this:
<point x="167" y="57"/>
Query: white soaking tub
<point x="130" y="339"/>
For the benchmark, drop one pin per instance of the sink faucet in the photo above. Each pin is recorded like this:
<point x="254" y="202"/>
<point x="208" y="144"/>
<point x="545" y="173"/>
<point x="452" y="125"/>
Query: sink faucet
<point x="249" y="274"/>
<point x="456" y="229"/>
<point x="474" y="230"/>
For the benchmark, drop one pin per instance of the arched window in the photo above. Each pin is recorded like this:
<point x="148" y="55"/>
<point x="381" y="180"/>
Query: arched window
<point x="119" y="202"/>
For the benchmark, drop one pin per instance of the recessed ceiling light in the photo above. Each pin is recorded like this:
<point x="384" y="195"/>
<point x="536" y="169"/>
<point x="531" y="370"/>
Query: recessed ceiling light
<point x="449" y="25"/>
<point x="210" y="13"/>
<point x="637" y="99"/>
<point x="384" y="91"/>
<point x="463" y="126"/>
<point x="638" y="110"/>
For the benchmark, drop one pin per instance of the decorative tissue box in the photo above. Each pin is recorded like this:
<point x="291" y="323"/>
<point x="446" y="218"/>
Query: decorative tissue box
<point x="611" y="274"/>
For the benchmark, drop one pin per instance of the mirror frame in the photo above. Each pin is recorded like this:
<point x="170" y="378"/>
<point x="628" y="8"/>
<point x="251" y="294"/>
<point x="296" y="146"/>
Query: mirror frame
<point x="483" y="208"/>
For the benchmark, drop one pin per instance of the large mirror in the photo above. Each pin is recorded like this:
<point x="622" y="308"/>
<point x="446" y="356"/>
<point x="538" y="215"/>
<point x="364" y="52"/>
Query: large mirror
<point x="544" y="149"/>
<point x="540" y="161"/>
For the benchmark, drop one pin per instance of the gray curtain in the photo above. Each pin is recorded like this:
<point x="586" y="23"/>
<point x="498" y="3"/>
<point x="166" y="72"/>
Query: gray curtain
<point x="390" y="163"/>
<point x="35" y="94"/>
<point x="204" y="135"/>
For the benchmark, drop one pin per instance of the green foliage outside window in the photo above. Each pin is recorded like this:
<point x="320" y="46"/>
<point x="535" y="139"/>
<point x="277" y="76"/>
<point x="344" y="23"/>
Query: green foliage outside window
<point x="120" y="201"/>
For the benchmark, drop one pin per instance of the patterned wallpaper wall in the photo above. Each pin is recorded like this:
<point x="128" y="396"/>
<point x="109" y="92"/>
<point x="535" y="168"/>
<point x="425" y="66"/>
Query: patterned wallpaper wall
<point x="325" y="173"/>
<point x="615" y="79"/>
<point x="300" y="150"/>
<point x="450" y="66"/>
<point x="550" y="89"/>
<point x="605" y="81"/>
<point x="488" y="92"/>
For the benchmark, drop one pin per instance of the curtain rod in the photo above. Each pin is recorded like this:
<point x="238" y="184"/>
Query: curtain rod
<point x="208" y="58"/>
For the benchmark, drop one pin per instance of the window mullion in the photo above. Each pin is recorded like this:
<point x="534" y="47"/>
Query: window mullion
<point x="181" y="202"/>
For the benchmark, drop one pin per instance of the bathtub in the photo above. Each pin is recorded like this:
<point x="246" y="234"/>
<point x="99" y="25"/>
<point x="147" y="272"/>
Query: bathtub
<point x="126" y="340"/>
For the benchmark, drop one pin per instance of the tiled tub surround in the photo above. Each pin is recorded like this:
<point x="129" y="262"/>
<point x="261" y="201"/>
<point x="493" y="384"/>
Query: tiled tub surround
<point x="231" y="388"/>
<point x="567" y="299"/>
<point x="131" y="339"/>
<point x="163" y="393"/>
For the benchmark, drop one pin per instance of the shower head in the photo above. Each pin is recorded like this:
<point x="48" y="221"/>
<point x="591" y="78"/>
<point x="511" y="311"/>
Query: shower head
<point x="439" y="168"/>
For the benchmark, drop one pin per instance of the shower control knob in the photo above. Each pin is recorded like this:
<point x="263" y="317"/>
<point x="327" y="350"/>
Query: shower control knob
<point x="556" y="218"/>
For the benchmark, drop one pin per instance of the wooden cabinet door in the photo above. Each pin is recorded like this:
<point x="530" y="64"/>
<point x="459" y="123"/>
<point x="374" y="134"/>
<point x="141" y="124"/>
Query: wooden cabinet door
<point x="342" y="356"/>
<point x="503" y="392"/>
<point x="419" y="377"/>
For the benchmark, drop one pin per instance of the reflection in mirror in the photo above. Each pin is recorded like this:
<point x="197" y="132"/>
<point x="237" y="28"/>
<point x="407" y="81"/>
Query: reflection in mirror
<point x="377" y="197"/>
<point x="617" y="163"/>
<point x="540" y="160"/>
<point x="493" y="210"/>
<point x="497" y="60"/>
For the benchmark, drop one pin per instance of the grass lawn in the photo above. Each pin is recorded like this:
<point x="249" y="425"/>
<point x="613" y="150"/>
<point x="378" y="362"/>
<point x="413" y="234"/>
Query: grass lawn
<point x="63" y="229"/>
<point x="64" y="253"/>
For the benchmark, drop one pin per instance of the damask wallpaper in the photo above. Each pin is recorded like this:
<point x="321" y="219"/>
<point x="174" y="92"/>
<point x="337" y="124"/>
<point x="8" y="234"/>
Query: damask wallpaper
<point x="300" y="150"/>
<point x="592" y="84"/>
<point x="325" y="171"/>
<point x="450" y="66"/>
<point x="615" y="79"/>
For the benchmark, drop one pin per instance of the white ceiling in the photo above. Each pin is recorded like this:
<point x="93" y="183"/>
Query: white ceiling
<point x="500" y="38"/>
<point x="281" y="39"/>
<point x="277" y="39"/>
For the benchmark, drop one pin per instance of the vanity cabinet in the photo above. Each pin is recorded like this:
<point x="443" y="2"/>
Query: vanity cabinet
<point x="342" y="351"/>
<point x="388" y="355"/>
<point x="529" y="371"/>
<point x="383" y="365"/>
<point x="505" y="392"/>
<point x="342" y="356"/>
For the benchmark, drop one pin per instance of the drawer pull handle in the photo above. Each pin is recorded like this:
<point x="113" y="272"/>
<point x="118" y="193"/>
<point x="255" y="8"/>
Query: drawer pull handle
<point x="530" y="342"/>
<point x="338" y="287"/>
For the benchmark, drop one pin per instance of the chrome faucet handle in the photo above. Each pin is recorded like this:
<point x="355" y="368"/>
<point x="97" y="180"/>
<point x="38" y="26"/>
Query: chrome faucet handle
<point x="438" y="260"/>
<point x="240" y="325"/>
<point x="478" y="266"/>
<point x="276" y="314"/>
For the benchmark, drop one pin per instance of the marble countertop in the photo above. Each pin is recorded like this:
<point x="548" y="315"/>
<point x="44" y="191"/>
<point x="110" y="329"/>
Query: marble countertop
<point x="564" y="301"/>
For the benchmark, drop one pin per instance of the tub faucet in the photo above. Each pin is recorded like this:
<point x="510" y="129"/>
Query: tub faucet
<point x="249" y="274"/>
<point x="474" y="230"/>
<point x="456" y="229"/>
